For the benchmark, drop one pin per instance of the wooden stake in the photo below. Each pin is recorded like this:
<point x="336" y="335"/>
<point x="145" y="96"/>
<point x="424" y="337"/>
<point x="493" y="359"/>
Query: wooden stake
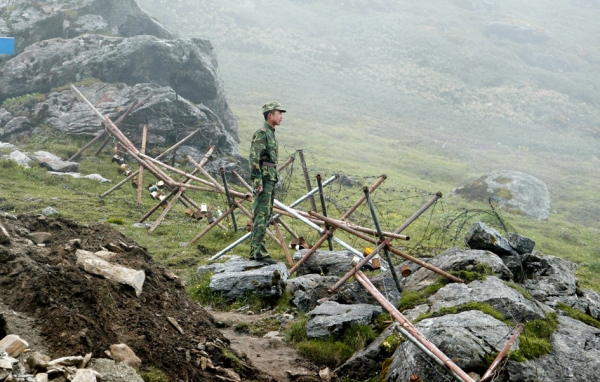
<point x="141" y="176"/>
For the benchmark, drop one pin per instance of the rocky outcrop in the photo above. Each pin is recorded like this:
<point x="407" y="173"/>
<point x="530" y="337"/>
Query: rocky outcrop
<point x="327" y="263"/>
<point x="575" y="356"/>
<point x="309" y="289"/>
<point x="355" y="293"/>
<point x="483" y="237"/>
<point x="187" y="66"/>
<point x="512" y="190"/>
<point x="30" y="22"/>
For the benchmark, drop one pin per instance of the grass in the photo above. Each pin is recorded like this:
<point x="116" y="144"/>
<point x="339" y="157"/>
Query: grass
<point x="411" y="299"/>
<point x="578" y="315"/>
<point x="534" y="341"/>
<point x="153" y="375"/>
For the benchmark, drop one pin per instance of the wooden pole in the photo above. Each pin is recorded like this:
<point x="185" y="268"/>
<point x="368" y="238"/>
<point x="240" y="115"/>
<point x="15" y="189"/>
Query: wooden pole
<point x="141" y="176"/>
<point x="285" y="248"/>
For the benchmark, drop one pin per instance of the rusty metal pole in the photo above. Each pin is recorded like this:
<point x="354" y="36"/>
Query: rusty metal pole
<point x="386" y="244"/>
<point x="286" y="163"/>
<point x="379" y="181"/>
<point x="141" y="176"/>
<point x="490" y="372"/>
<point x="229" y="198"/>
<point x="412" y="333"/>
<point x="307" y="179"/>
<point x="324" y="208"/>
<point x="285" y="248"/>
<point x="210" y="226"/>
<point x="388" y="257"/>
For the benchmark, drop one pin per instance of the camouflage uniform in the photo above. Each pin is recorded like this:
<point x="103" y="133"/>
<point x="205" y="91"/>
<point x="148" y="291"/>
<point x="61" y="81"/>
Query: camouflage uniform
<point x="264" y="149"/>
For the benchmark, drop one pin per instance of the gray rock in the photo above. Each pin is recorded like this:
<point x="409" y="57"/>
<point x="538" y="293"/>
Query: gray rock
<point x="515" y="265"/>
<point x="41" y="237"/>
<point x="521" y="244"/>
<point x="44" y="156"/>
<point x="355" y="293"/>
<point x="456" y="259"/>
<point x="512" y="190"/>
<point x="169" y="117"/>
<point x="96" y="177"/>
<point x="334" y="263"/>
<point x="308" y="289"/>
<point x="141" y="225"/>
<point x="187" y="66"/>
<point x="20" y="158"/>
<point x="506" y="300"/>
<point x="518" y="31"/>
<point x="7" y="146"/>
<point x="592" y="301"/>
<point x="5" y="116"/>
<point x="331" y="318"/>
<point x="60" y="166"/>
<point x="575" y="356"/>
<point x="549" y="279"/>
<point x="49" y="211"/>
<point x="414" y="313"/>
<point x="114" y="372"/>
<point x="466" y="338"/>
<point x="15" y="127"/>
<point x="548" y="61"/>
<point x="32" y="22"/>
<point x="480" y="236"/>
<point x="238" y="277"/>
<point x="366" y="363"/>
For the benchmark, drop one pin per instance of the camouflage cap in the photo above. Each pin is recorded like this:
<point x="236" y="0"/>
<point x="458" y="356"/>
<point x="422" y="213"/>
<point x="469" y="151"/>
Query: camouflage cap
<point x="270" y="106"/>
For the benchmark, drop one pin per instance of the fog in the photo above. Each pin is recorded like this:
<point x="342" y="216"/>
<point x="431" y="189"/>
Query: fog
<point x="500" y="84"/>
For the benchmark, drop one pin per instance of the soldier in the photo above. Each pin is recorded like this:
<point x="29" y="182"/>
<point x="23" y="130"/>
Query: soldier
<point x="263" y="174"/>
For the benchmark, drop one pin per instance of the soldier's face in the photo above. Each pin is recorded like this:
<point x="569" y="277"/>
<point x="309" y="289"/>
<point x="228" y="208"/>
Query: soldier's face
<point x="275" y="118"/>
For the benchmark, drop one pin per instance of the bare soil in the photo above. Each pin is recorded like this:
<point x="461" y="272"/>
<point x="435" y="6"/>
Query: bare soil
<point x="48" y="300"/>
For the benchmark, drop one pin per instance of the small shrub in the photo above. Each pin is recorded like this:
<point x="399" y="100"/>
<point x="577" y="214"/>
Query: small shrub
<point x="325" y="353"/>
<point x="5" y="163"/>
<point x="22" y="105"/>
<point x="115" y="220"/>
<point x="390" y="344"/>
<point x="153" y="375"/>
<point x="358" y="336"/>
<point x="234" y="362"/>
<point x="296" y="332"/>
<point x="534" y="342"/>
<point x="202" y="293"/>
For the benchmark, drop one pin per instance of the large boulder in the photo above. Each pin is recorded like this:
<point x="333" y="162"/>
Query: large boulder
<point x="331" y="318"/>
<point x="328" y="263"/>
<point x="187" y="66"/>
<point x="238" y="277"/>
<point x="466" y="338"/>
<point x="575" y="356"/>
<point x="549" y="279"/>
<point x="114" y="372"/>
<point x="309" y="289"/>
<point x="493" y="291"/>
<point x="355" y="293"/>
<point x="33" y="21"/>
<point x="456" y="259"/>
<point x="168" y="116"/>
<point x="512" y="190"/>
<point x="16" y="126"/>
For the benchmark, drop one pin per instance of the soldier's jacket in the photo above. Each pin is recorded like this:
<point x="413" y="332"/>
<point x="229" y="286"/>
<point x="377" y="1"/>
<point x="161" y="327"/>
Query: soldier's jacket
<point x="263" y="148"/>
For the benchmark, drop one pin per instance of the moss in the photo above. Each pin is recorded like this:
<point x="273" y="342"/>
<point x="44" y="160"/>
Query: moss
<point x="153" y="375"/>
<point x="385" y="367"/>
<point x="479" y="272"/>
<point x="534" y="342"/>
<point x="525" y="294"/>
<point x="390" y="344"/>
<point x="23" y="105"/>
<point x="88" y="81"/>
<point x="481" y="306"/>
<point x="504" y="193"/>
<point x="410" y="299"/>
<point x="115" y="220"/>
<point x="578" y="315"/>
<point x="383" y="321"/>
<point x="234" y="362"/>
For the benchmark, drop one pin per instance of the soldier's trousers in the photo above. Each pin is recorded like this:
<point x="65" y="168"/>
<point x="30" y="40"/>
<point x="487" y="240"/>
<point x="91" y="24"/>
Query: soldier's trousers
<point x="262" y="210"/>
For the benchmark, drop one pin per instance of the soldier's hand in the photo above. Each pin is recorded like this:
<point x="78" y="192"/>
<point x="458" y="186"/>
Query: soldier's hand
<point x="258" y="190"/>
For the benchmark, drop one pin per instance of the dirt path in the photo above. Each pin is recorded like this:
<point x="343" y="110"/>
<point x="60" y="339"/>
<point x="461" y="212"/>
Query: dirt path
<point x="270" y="355"/>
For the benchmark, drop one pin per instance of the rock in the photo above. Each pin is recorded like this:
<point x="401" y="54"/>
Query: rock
<point x="114" y="372"/>
<point x="493" y="291"/>
<point x="480" y="236"/>
<point x="20" y="158"/>
<point x="7" y="146"/>
<point x="15" y="127"/>
<point x="549" y="279"/>
<point x="60" y="166"/>
<point x="521" y="244"/>
<point x="325" y="375"/>
<point x="86" y="375"/>
<point x="30" y="23"/>
<point x="238" y="276"/>
<point x="518" y="31"/>
<point x="187" y="66"/>
<point x="575" y="356"/>
<point x="455" y="259"/>
<point x="123" y="353"/>
<point x="548" y="61"/>
<point x="41" y="237"/>
<point x="515" y="265"/>
<point x="4" y="235"/>
<point x="44" y="156"/>
<point x="414" y="313"/>
<point x="49" y="211"/>
<point x="41" y="377"/>
<point x="326" y="263"/>
<point x="355" y="293"/>
<point x="66" y="361"/>
<point x="308" y="289"/>
<point x="13" y="345"/>
<point x="141" y="225"/>
<point x="97" y="266"/>
<point x="7" y="363"/>
<point x="512" y="190"/>
<point x="592" y="300"/>
<point x="466" y="338"/>
<point x="38" y="361"/>
<point x="76" y="175"/>
<point x="332" y="318"/>
<point x="366" y="363"/>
